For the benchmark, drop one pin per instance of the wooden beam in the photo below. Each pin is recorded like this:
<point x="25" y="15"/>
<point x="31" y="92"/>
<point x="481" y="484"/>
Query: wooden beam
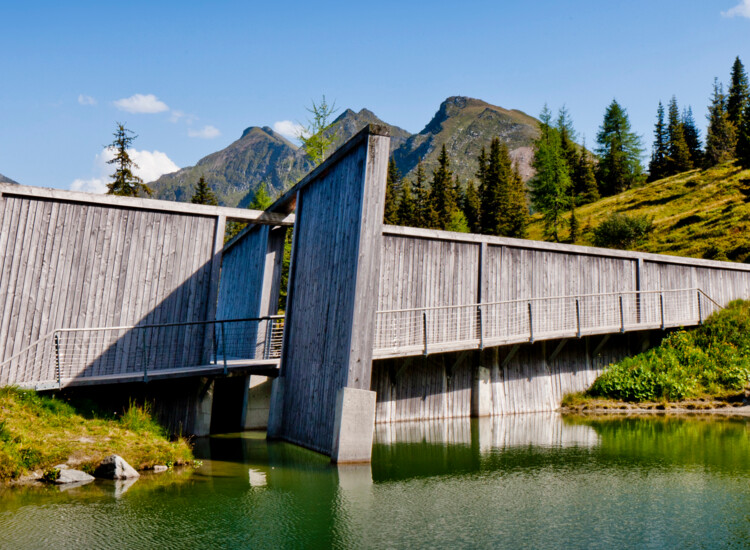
<point x="599" y="346"/>
<point x="237" y="214"/>
<point x="558" y="349"/>
<point x="511" y="355"/>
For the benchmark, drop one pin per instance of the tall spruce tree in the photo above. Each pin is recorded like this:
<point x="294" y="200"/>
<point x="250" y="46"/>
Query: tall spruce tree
<point x="567" y="137"/>
<point x="721" y="136"/>
<point x="619" y="152"/>
<point x="472" y="207"/>
<point x="424" y="212"/>
<point x="390" y="212"/>
<point x="443" y="195"/>
<point x="124" y="182"/>
<point x="517" y="209"/>
<point x="657" y="168"/>
<point x="692" y="137"/>
<point x="203" y="193"/>
<point x="738" y="94"/>
<point x="406" y="208"/>
<point x="679" y="155"/>
<point x="743" y="139"/>
<point x="550" y="187"/>
<point x="588" y="190"/>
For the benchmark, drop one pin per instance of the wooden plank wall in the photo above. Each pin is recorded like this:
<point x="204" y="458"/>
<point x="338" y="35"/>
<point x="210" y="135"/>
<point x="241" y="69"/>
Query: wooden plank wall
<point x="66" y="264"/>
<point x="332" y="287"/>
<point x="242" y="275"/>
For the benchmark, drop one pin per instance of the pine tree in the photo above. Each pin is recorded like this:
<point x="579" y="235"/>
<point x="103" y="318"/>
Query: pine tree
<point x="657" y="168"/>
<point x="567" y="137"/>
<point x="619" y="151"/>
<point x="738" y="94"/>
<point x="550" y="187"/>
<point x="679" y="155"/>
<point x="743" y="139"/>
<point x="517" y="216"/>
<point x="442" y="195"/>
<point x="319" y="135"/>
<point x="203" y="193"/>
<point x="573" y="223"/>
<point x="692" y="137"/>
<point x="424" y="212"/>
<point x="262" y="200"/>
<point x="406" y="206"/>
<point x="390" y="214"/>
<point x="588" y="190"/>
<point x="472" y="207"/>
<point x="721" y="137"/>
<point x="124" y="182"/>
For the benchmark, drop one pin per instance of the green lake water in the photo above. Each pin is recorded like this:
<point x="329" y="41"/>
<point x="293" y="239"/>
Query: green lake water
<point x="525" y="481"/>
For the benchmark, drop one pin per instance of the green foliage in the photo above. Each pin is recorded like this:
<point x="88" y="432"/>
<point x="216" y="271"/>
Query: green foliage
<point x="124" y="181"/>
<point x="317" y="138"/>
<point x="550" y="187"/>
<point x="738" y="95"/>
<point x="619" y="151"/>
<point x="679" y="154"/>
<point x="424" y="210"/>
<point x="472" y="208"/>
<point x="406" y="209"/>
<point x="692" y="137"/>
<point x="51" y="475"/>
<point x="657" y="168"/>
<point x="390" y="212"/>
<point x="721" y="138"/>
<point x="622" y="231"/>
<point x="743" y="139"/>
<point x="711" y="360"/>
<point x="203" y="193"/>
<point x="584" y="179"/>
<point x="443" y="194"/>
<point x="262" y="200"/>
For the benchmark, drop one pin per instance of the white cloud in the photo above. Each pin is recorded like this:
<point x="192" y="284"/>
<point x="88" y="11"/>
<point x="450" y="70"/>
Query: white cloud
<point x="86" y="100"/>
<point x="151" y="165"/>
<point x="140" y="103"/>
<point x="93" y="185"/>
<point x="740" y="10"/>
<point x="207" y="132"/>
<point x="288" y="129"/>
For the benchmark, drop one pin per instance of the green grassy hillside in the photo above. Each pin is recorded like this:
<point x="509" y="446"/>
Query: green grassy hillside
<point x="701" y="214"/>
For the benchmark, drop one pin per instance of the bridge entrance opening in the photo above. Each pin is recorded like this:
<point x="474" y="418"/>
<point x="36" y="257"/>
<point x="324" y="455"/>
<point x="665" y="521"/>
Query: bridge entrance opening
<point x="228" y="404"/>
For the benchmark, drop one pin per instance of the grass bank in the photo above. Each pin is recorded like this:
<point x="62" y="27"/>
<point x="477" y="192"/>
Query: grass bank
<point x="38" y="432"/>
<point x="708" y="364"/>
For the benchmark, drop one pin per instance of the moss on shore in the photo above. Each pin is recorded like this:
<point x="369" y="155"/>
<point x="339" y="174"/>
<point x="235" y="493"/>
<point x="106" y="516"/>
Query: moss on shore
<point x="38" y="432"/>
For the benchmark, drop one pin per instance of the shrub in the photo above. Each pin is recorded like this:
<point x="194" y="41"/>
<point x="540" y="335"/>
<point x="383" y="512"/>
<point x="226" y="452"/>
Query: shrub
<point x="622" y="231"/>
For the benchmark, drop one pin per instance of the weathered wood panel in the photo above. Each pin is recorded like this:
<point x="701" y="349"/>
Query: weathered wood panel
<point x="71" y="264"/>
<point x="332" y="288"/>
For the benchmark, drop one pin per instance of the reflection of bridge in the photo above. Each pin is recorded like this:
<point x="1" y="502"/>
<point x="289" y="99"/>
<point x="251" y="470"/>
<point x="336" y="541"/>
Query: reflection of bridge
<point x="381" y="323"/>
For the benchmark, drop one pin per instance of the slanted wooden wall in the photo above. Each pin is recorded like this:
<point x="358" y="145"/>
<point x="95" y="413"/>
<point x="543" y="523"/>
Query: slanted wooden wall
<point x="333" y="285"/>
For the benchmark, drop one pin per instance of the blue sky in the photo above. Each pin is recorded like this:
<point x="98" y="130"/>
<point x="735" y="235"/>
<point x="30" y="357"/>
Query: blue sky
<point x="188" y="77"/>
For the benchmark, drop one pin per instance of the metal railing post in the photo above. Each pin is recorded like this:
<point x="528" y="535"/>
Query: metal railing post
<point x="269" y="336"/>
<point x="424" y="329"/>
<point x="57" y="360"/>
<point x="224" y="347"/>
<point x="661" y="308"/>
<point x="578" y="319"/>
<point x="481" y="328"/>
<point x="700" y="311"/>
<point x="622" y="316"/>
<point x="531" y="325"/>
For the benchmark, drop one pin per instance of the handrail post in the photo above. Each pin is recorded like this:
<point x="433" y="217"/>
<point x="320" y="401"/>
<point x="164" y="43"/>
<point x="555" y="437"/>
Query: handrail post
<point x="661" y="307"/>
<point x="578" y="319"/>
<point x="224" y="347"/>
<point x="424" y="329"/>
<point x="622" y="316"/>
<point x="269" y="336"/>
<point x="481" y="328"/>
<point x="700" y="311"/>
<point x="531" y="325"/>
<point x="57" y="360"/>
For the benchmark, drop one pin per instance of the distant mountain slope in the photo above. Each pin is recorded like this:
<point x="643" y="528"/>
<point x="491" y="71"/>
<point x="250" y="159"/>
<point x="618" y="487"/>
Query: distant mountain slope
<point x="4" y="179"/>
<point x="465" y="125"/>
<point x="260" y="156"/>
<point x="700" y="213"/>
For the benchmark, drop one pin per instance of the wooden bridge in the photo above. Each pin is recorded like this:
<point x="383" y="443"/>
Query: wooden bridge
<point x="382" y="323"/>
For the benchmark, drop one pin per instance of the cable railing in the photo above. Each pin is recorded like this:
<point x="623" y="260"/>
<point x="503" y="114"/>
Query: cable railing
<point x="136" y="352"/>
<point x="414" y="331"/>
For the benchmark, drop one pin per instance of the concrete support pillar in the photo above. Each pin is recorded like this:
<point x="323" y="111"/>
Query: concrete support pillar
<point x="203" y="406"/>
<point x="354" y="425"/>
<point x="257" y="402"/>
<point x="276" y="410"/>
<point x="481" y="388"/>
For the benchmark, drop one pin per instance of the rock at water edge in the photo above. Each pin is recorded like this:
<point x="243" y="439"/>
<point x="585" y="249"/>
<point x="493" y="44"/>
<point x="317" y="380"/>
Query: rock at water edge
<point x="115" y="467"/>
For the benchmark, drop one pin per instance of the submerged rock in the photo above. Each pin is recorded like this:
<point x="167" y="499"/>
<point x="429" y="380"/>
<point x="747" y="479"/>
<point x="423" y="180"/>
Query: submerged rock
<point x="115" y="467"/>
<point x="68" y="475"/>
<point x="159" y="468"/>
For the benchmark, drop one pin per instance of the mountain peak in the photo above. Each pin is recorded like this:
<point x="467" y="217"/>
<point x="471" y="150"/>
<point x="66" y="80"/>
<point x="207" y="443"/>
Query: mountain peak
<point x="5" y="179"/>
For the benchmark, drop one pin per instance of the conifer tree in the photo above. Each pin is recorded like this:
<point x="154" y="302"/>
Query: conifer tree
<point x="567" y="137"/>
<point x="657" y="168"/>
<point x="619" y="151"/>
<point x="494" y="189"/>
<point x="517" y="210"/>
<point x="588" y="190"/>
<point x="743" y="139"/>
<point x="573" y="223"/>
<point x="124" y="182"/>
<point x="318" y="136"/>
<point x="472" y="207"/>
<point x="406" y="206"/>
<point x="262" y="200"/>
<point x="679" y="155"/>
<point x="738" y="94"/>
<point x="721" y="137"/>
<point x="692" y="137"/>
<point x="424" y="212"/>
<point x="550" y="187"/>
<point x="390" y="214"/>
<point x="442" y="195"/>
<point x="203" y="193"/>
